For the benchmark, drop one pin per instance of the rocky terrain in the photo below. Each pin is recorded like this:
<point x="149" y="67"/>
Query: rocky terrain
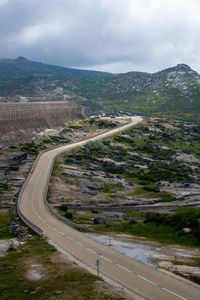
<point x="30" y="257"/>
<point x="107" y="186"/>
<point x="156" y="163"/>
<point x="143" y="182"/>
<point x="16" y="160"/>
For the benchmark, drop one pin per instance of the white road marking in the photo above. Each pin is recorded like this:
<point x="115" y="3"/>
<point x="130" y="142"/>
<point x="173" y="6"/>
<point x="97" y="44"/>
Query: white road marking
<point x="144" y="278"/>
<point x="90" y="250"/>
<point x="68" y="237"/>
<point x="80" y="244"/>
<point x="124" y="268"/>
<point x="55" y="229"/>
<point x="174" y="293"/>
<point x="105" y="258"/>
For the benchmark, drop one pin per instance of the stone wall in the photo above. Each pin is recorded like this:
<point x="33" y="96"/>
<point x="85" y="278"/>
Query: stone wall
<point x="19" y="122"/>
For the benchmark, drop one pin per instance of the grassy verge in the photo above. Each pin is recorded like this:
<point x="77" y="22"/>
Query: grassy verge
<point x="163" y="234"/>
<point x="60" y="279"/>
<point x="162" y="227"/>
<point x="5" y="220"/>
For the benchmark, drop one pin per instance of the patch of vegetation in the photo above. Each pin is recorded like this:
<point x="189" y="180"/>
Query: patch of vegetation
<point x="5" y="220"/>
<point x="100" y="123"/>
<point x="75" y="126"/>
<point x="64" y="207"/>
<point x="74" y="283"/>
<point x="124" y="139"/>
<point x="47" y="141"/>
<point x="111" y="187"/>
<point x="49" y="193"/>
<point x="31" y="148"/>
<point x="183" y="218"/>
<point x="63" y="210"/>
<point x="56" y="169"/>
<point x="6" y="188"/>
<point x="13" y="147"/>
<point x="149" y="192"/>
<point x="96" y="147"/>
<point x="162" y="227"/>
<point x="69" y="215"/>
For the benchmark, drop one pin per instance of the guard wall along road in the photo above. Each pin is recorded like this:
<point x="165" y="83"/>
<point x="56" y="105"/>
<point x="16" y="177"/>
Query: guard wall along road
<point x="114" y="267"/>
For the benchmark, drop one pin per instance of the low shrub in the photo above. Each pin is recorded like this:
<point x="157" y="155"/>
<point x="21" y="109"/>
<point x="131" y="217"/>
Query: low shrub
<point x="69" y="215"/>
<point x="64" y="207"/>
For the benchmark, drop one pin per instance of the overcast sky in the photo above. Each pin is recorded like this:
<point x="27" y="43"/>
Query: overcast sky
<point x="106" y="35"/>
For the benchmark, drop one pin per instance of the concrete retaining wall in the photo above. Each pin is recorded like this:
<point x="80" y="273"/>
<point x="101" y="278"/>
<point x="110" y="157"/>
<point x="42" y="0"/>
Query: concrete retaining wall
<point x="20" y="121"/>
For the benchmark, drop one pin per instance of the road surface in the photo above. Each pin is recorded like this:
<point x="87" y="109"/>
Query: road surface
<point x="130" y="274"/>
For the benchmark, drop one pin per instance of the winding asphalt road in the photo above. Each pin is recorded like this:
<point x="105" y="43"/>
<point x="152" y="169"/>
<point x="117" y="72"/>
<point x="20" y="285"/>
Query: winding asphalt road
<point x="130" y="274"/>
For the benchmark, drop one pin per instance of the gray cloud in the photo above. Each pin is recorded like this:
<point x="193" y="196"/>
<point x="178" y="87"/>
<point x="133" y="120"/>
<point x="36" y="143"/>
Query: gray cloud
<point x="116" y="36"/>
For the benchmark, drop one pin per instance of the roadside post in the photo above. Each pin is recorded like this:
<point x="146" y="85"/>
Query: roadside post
<point x="110" y="244"/>
<point x="98" y="265"/>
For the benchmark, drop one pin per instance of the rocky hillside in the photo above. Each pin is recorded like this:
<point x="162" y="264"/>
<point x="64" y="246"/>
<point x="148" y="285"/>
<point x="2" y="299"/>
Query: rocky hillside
<point x="172" y="90"/>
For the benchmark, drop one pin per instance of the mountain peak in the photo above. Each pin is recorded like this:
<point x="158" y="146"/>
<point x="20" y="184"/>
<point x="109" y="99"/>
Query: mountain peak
<point x="183" y="67"/>
<point x="21" y="58"/>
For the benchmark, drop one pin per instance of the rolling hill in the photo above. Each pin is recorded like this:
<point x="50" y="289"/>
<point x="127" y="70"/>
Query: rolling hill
<point x="21" y="68"/>
<point x="173" y="90"/>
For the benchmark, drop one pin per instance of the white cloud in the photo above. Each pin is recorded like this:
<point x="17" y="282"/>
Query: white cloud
<point x="3" y="2"/>
<point x="122" y="35"/>
<point x="33" y="34"/>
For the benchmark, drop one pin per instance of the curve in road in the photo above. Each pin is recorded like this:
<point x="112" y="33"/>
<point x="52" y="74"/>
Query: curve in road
<point x="135" y="277"/>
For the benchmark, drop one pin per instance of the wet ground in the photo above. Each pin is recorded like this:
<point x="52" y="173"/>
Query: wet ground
<point x="154" y="254"/>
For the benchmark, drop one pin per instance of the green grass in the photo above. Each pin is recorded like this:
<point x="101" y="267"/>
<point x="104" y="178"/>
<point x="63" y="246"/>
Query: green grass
<point x="55" y="170"/>
<point x="162" y="227"/>
<point x="74" y="282"/>
<point x="164" y="234"/>
<point x="5" y="220"/>
<point x="110" y="187"/>
<point x="49" y="194"/>
<point x="75" y="126"/>
<point x="148" y="193"/>
<point x="30" y="148"/>
<point x="151" y="231"/>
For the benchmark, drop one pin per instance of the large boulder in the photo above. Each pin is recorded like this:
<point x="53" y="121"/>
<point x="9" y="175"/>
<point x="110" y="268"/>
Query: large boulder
<point x="3" y="179"/>
<point x="99" y="221"/>
<point x="114" y="216"/>
<point x="88" y="187"/>
<point x="16" y="159"/>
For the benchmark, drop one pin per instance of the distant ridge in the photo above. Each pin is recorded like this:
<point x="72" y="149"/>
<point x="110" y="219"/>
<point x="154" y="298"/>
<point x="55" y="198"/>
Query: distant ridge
<point x="22" y="67"/>
<point x="175" y="90"/>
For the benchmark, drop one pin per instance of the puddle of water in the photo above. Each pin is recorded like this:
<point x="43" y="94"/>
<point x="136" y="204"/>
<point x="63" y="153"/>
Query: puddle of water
<point x="137" y="251"/>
